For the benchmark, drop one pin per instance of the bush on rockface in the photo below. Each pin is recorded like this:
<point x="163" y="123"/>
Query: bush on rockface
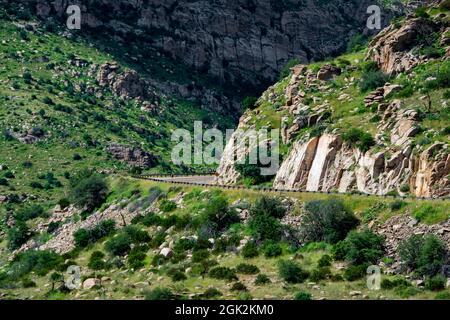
<point x="327" y="220"/>
<point x="359" y="139"/>
<point x="372" y="79"/>
<point x="30" y="212"/>
<point x="425" y="255"/>
<point x="84" y="237"/>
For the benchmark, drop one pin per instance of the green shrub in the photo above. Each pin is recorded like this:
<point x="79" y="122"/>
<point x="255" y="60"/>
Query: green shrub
<point x="327" y="220"/>
<point x="268" y="206"/>
<point x="137" y="256"/>
<point x="250" y="250"/>
<point x="3" y="182"/>
<point x="119" y="245"/>
<point x="356" y="43"/>
<point x="319" y="274"/>
<point x="444" y="295"/>
<point x="89" y="190"/>
<point x="324" y="261"/>
<point x="435" y="283"/>
<point x="368" y="66"/>
<point x="302" y="296"/>
<point x="217" y="216"/>
<point x="426" y="255"/>
<point x="167" y="205"/>
<point x="421" y="12"/>
<point x="355" y="272"/>
<point x="264" y="227"/>
<point x="200" y="255"/>
<point x="96" y="261"/>
<point x="39" y="261"/>
<point x="264" y="215"/>
<point x="64" y="203"/>
<point x="389" y="284"/>
<point x="363" y="247"/>
<point x="359" y="139"/>
<point x="238" y="286"/>
<point x="446" y="94"/>
<point x="84" y="237"/>
<point x="159" y="294"/>
<point x="18" y="235"/>
<point x="286" y="71"/>
<point x="9" y="175"/>
<point x="272" y="250"/>
<point x="211" y="293"/>
<point x="397" y="205"/>
<point x="158" y="239"/>
<point x="177" y="276"/>
<point x="28" y="283"/>
<point x="262" y="279"/>
<point x="36" y="185"/>
<point x="249" y="103"/>
<point x="245" y="268"/>
<point x="223" y="273"/>
<point x="184" y="244"/>
<point x="136" y="235"/>
<point x="30" y="212"/>
<point x="372" y="80"/>
<point x="291" y="272"/>
<point x="158" y="260"/>
<point x="151" y="219"/>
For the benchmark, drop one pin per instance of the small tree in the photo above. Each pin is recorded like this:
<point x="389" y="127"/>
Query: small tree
<point x="290" y="272"/>
<point x="424" y="254"/>
<point x="327" y="220"/>
<point x="55" y="278"/>
<point x="89" y="191"/>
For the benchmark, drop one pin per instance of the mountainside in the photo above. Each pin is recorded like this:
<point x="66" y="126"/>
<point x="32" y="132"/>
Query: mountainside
<point x="243" y="44"/>
<point x="374" y="121"/>
<point x="83" y="114"/>
<point x="65" y="105"/>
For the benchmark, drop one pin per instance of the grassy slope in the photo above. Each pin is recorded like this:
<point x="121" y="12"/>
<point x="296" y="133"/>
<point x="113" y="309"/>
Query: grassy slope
<point x="104" y="120"/>
<point x="130" y="284"/>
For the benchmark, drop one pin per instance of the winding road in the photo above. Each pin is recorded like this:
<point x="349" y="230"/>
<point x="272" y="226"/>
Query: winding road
<point x="208" y="180"/>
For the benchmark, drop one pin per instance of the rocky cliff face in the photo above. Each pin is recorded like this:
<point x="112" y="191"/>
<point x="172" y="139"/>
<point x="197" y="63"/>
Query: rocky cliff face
<point x="320" y="159"/>
<point x="236" y="41"/>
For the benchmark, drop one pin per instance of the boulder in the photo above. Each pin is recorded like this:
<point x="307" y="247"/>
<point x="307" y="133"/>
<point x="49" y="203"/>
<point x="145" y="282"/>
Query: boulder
<point x="133" y="156"/>
<point x="393" y="48"/>
<point x="89" y="283"/>
<point x="328" y="72"/>
<point x="166" y="252"/>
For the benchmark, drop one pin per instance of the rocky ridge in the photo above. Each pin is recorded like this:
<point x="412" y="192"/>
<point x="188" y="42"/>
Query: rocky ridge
<point x="326" y="162"/>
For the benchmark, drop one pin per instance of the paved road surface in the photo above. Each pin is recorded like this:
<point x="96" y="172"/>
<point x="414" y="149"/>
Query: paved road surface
<point x="191" y="179"/>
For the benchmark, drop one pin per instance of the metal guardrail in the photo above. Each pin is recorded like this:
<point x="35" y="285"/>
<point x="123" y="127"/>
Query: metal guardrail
<point x="159" y="177"/>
